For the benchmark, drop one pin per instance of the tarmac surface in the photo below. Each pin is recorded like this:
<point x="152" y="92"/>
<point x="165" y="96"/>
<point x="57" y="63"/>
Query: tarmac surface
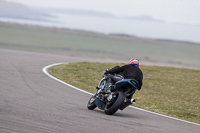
<point x="32" y="102"/>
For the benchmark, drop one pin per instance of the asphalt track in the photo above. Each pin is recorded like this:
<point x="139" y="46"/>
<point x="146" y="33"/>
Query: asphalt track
<point x="32" y="102"/>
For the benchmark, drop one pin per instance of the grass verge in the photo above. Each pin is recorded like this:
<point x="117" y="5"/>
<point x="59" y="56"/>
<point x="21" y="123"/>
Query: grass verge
<point x="166" y="90"/>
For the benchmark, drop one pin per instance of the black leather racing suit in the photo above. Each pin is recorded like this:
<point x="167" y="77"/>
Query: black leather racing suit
<point x="129" y="72"/>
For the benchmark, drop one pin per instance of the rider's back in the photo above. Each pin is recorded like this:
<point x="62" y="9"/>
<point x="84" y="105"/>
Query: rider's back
<point x="129" y="72"/>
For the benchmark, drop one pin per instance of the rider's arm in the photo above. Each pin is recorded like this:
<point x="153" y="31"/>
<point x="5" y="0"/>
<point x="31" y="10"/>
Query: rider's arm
<point x="116" y="70"/>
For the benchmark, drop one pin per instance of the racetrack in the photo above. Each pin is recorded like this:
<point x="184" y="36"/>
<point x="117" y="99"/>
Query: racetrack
<point x="32" y="102"/>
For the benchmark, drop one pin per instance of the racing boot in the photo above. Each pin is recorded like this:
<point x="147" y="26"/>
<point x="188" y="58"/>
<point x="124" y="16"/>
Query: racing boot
<point x="107" y="88"/>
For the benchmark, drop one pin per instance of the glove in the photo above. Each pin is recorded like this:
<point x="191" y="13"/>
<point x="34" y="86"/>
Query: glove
<point x="106" y="72"/>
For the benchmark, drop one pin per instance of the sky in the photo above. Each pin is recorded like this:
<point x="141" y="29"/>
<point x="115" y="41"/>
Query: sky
<point x="175" y="11"/>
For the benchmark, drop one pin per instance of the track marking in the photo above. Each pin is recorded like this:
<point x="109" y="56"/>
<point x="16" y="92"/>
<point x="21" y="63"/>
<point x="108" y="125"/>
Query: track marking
<point x="45" y="70"/>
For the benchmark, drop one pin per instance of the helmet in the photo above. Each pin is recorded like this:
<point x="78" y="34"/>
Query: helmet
<point x="134" y="62"/>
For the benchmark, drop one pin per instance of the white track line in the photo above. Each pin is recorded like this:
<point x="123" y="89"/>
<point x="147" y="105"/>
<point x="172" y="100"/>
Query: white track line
<point x="45" y="70"/>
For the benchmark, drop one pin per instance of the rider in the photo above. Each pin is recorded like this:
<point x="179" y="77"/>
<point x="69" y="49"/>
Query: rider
<point x="129" y="71"/>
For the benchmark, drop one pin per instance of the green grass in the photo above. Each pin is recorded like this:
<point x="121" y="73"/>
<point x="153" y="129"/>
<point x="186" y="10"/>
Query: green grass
<point x="96" y="45"/>
<point x="166" y="90"/>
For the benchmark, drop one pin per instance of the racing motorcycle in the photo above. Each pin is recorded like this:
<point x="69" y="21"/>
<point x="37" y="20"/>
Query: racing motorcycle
<point x="116" y="97"/>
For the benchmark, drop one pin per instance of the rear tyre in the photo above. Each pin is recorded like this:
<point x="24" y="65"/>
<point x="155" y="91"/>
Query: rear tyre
<point x="112" y="107"/>
<point x="91" y="103"/>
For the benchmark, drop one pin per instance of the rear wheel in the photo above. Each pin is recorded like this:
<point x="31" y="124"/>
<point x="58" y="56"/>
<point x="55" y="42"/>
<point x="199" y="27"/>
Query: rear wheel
<point x="115" y="104"/>
<point x="91" y="103"/>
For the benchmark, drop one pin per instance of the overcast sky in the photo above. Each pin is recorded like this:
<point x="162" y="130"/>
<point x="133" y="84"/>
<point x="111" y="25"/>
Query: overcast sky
<point x="181" y="11"/>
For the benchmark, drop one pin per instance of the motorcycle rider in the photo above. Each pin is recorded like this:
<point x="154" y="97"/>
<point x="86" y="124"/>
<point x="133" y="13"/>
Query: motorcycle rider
<point x="129" y="71"/>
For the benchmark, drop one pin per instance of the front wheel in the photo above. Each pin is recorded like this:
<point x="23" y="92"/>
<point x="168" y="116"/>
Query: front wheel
<point x="91" y="103"/>
<point x="112" y="107"/>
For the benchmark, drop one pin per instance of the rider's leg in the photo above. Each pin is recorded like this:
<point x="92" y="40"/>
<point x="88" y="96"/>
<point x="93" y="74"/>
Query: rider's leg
<point x="112" y="79"/>
<point x="109" y="81"/>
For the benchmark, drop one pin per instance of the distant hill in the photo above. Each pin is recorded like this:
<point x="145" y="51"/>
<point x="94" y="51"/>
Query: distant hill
<point x="81" y="12"/>
<point x="20" y="11"/>
<point x="145" y="18"/>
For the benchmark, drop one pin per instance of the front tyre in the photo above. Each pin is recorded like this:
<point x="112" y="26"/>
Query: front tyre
<point x="91" y="103"/>
<point x="112" y="107"/>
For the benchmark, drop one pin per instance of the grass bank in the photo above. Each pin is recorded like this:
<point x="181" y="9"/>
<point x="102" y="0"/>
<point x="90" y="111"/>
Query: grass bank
<point x="96" y="45"/>
<point x="166" y="90"/>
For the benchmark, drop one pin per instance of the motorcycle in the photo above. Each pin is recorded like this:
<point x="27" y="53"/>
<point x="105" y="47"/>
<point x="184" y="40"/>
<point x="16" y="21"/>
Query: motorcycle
<point x="114" y="98"/>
